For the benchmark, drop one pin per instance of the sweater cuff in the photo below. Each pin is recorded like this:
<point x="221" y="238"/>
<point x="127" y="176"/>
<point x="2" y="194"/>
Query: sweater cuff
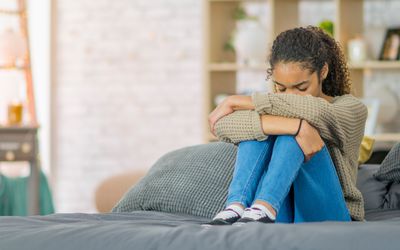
<point x="256" y="127"/>
<point x="261" y="103"/>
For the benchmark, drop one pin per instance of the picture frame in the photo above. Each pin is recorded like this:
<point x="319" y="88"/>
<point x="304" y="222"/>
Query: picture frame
<point x="391" y="45"/>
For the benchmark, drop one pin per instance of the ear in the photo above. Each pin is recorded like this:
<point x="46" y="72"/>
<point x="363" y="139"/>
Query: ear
<point x="324" y="71"/>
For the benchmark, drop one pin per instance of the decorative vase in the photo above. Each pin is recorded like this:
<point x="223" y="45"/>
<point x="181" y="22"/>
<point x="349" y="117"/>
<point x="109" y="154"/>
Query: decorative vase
<point x="357" y="51"/>
<point x="250" y="42"/>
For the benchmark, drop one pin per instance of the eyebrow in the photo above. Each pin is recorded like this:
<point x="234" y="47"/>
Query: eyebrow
<point x="296" y="85"/>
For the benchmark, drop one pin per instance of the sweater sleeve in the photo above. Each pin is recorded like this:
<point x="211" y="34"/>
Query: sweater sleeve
<point x="241" y="125"/>
<point x="335" y="121"/>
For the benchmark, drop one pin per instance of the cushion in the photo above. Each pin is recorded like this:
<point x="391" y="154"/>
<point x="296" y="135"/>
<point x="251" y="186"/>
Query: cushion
<point x="393" y="197"/>
<point x="193" y="180"/>
<point x="366" y="147"/>
<point x="390" y="167"/>
<point x="373" y="191"/>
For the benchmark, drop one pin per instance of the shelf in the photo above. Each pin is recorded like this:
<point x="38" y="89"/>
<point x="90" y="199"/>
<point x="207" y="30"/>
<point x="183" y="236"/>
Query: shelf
<point x="19" y="127"/>
<point x="387" y="137"/>
<point x="13" y="67"/>
<point x="11" y="12"/>
<point x="260" y="0"/>
<point x="212" y="1"/>
<point x="235" y="67"/>
<point x="375" y="65"/>
<point x="261" y="67"/>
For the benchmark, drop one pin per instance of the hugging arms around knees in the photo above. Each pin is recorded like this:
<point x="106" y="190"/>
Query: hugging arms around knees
<point x="311" y="82"/>
<point x="306" y="135"/>
<point x="241" y="118"/>
<point x="339" y="124"/>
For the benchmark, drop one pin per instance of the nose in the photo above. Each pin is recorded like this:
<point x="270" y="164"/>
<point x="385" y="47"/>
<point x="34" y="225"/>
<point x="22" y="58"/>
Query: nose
<point x="291" y="91"/>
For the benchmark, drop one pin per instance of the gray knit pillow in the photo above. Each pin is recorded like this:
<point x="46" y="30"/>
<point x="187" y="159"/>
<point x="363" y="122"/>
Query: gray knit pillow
<point x="193" y="180"/>
<point x="390" y="167"/>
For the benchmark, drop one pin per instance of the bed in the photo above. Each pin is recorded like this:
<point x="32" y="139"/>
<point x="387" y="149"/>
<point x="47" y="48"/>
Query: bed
<point x="159" y="230"/>
<point x="149" y="219"/>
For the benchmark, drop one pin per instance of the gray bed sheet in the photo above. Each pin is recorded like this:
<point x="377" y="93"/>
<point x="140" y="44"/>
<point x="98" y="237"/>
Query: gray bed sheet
<point x="156" y="230"/>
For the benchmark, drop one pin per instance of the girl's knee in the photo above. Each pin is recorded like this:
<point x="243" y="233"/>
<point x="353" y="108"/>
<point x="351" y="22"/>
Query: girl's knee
<point x="286" y="142"/>
<point x="286" y="139"/>
<point x="269" y="140"/>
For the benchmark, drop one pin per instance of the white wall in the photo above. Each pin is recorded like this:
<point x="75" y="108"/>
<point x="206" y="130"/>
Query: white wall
<point x="128" y="89"/>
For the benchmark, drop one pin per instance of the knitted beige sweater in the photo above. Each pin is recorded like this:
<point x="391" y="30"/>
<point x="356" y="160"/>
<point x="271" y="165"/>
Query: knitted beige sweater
<point x="340" y="124"/>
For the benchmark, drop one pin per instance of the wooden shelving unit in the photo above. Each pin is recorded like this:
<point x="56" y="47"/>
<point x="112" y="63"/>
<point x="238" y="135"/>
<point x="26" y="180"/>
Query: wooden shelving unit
<point x="20" y="142"/>
<point x="220" y="67"/>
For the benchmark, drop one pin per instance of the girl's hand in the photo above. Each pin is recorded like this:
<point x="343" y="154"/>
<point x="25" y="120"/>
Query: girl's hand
<point x="309" y="140"/>
<point x="223" y="109"/>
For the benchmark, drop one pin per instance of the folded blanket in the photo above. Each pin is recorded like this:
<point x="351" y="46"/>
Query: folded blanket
<point x="13" y="196"/>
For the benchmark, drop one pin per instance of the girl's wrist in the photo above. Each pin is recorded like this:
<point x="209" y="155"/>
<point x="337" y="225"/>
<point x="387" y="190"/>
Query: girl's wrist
<point x="299" y="128"/>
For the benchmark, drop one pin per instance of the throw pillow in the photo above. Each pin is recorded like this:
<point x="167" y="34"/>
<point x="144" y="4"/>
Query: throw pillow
<point x="390" y="167"/>
<point x="193" y="180"/>
<point x="366" y="147"/>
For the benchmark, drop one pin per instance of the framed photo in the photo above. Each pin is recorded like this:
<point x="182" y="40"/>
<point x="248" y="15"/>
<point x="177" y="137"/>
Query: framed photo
<point x="391" y="45"/>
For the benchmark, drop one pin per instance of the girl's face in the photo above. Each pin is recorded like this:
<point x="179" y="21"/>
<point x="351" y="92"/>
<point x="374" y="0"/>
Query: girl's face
<point x="291" y="78"/>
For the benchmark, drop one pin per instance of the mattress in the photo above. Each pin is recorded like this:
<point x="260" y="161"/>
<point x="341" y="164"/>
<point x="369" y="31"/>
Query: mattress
<point x="157" y="230"/>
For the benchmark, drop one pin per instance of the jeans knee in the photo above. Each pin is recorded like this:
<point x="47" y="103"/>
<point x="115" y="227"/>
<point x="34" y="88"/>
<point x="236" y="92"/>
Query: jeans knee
<point x="286" y="139"/>
<point x="252" y="142"/>
<point x="286" y="142"/>
<point x="269" y="140"/>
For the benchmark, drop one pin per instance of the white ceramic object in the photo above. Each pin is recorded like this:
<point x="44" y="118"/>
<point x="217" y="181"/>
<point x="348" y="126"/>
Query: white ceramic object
<point x="357" y="50"/>
<point x="250" y="42"/>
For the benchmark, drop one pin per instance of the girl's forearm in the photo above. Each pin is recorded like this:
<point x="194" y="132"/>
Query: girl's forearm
<point x="241" y="102"/>
<point x="277" y="125"/>
<point x="271" y="125"/>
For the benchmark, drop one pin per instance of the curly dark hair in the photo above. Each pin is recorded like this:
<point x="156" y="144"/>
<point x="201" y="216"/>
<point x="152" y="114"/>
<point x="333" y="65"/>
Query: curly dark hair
<point x="312" y="48"/>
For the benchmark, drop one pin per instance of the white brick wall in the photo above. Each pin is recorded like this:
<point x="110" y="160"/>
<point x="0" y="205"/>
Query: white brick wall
<point x="129" y="88"/>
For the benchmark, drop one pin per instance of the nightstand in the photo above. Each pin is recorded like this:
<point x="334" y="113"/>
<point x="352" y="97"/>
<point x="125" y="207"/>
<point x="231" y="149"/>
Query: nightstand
<point x="19" y="143"/>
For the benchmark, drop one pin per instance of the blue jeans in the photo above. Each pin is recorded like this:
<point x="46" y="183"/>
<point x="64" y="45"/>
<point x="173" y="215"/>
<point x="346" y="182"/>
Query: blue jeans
<point x="274" y="171"/>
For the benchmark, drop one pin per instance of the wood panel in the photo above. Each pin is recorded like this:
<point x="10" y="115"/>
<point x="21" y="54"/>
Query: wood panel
<point x="284" y="15"/>
<point x="221" y="25"/>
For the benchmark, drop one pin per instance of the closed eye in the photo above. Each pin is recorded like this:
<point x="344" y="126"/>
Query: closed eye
<point x="281" y="89"/>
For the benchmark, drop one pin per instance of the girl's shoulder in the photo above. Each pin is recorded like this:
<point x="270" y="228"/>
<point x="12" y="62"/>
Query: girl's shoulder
<point x="346" y="98"/>
<point x="352" y="102"/>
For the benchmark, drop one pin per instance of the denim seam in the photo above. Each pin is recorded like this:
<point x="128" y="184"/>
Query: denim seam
<point x="252" y="174"/>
